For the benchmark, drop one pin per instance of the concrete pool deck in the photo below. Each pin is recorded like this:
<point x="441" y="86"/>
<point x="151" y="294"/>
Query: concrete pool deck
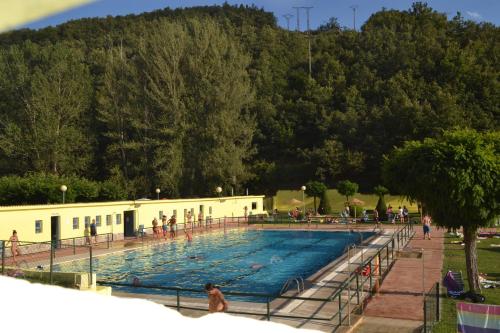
<point x="400" y="296"/>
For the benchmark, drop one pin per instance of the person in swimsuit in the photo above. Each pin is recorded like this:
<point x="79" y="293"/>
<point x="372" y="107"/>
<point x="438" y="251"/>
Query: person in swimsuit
<point x="216" y="301"/>
<point x="86" y="233"/>
<point x="93" y="231"/>
<point x="14" y="245"/>
<point x="164" y="226"/>
<point x="375" y="217"/>
<point x="172" y="223"/>
<point x="426" y="221"/>
<point x="156" y="232"/>
<point x="200" y="218"/>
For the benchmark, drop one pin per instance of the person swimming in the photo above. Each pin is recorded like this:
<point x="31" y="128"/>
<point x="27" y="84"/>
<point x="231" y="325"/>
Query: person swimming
<point x="256" y="266"/>
<point x="195" y="257"/>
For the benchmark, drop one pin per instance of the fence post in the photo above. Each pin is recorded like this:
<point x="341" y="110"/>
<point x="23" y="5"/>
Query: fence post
<point x="392" y="249"/>
<point x="268" y="310"/>
<point x="357" y="286"/>
<point x="340" y="309"/>
<point x="90" y="265"/>
<point x="437" y="301"/>
<point x="178" y="300"/>
<point x="107" y="239"/>
<point x="51" y="261"/>
<point x="371" y="277"/>
<point x="425" y="316"/>
<point x="74" y="247"/>
<point x="387" y="256"/>
<point x="3" y="256"/>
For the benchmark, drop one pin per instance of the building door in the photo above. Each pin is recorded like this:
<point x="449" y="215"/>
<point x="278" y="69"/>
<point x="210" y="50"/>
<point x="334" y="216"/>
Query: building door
<point x="55" y="230"/>
<point x="129" y="223"/>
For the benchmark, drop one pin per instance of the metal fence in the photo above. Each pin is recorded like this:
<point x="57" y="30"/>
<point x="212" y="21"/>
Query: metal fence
<point x="352" y="294"/>
<point x="431" y="308"/>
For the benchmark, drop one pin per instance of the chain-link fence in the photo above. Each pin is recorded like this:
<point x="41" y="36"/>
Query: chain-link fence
<point x="431" y="308"/>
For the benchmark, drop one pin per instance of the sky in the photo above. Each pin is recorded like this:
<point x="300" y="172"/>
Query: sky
<point x="476" y="10"/>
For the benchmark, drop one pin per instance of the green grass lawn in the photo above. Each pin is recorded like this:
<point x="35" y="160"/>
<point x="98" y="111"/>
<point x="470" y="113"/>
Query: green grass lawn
<point x="283" y="198"/>
<point x="454" y="259"/>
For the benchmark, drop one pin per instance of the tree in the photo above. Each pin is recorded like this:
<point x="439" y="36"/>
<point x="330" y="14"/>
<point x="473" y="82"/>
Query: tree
<point x="347" y="188"/>
<point x="47" y="132"/>
<point x="315" y="189"/>
<point x="381" y="207"/>
<point x="456" y="177"/>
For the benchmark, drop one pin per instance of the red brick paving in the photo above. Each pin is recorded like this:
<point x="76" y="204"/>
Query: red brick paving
<point x="400" y="295"/>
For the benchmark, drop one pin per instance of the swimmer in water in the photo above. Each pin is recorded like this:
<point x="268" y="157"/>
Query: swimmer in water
<point x="195" y="257"/>
<point x="256" y="266"/>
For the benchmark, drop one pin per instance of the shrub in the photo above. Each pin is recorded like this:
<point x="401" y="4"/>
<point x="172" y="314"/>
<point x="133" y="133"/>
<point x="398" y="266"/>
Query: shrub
<point x="381" y="208"/>
<point x="324" y="204"/>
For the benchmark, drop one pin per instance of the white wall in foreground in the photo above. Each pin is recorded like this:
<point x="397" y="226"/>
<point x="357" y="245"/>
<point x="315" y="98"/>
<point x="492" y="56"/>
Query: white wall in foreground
<point x="29" y="307"/>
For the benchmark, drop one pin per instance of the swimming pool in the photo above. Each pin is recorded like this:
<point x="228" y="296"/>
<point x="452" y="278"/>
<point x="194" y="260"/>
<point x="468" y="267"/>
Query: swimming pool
<point x="257" y="261"/>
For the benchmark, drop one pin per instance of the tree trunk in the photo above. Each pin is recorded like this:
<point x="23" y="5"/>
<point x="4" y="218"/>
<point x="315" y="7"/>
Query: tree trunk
<point x="315" y="205"/>
<point x="471" y="258"/>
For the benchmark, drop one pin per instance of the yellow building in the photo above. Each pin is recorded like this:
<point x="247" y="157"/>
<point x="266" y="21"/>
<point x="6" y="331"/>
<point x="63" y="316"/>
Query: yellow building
<point x="41" y="223"/>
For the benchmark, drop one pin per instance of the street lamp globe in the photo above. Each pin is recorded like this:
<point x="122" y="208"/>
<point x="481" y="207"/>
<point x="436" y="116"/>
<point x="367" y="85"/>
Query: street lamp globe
<point x="158" y="193"/>
<point x="218" y="189"/>
<point x="303" y="188"/>
<point x="63" y="189"/>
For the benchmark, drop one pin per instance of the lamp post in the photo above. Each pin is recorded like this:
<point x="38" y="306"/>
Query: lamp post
<point x="63" y="189"/>
<point x="218" y="189"/>
<point x="303" y="188"/>
<point x="157" y="193"/>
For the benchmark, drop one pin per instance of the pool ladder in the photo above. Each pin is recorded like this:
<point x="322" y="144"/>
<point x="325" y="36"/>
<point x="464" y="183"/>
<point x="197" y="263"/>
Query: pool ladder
<point x="299" y="282"/>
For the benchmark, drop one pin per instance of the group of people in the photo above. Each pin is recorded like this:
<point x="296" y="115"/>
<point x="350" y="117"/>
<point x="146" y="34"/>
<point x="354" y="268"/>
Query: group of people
<point x="163" y="230"/>
<point x="402" y="215"/>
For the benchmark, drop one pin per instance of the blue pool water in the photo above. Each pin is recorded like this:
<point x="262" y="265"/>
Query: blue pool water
<point x="238" y="260"/>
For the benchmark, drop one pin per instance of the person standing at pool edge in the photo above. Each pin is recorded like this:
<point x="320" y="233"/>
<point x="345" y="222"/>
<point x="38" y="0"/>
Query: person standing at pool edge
<point x="216" y="301"/>
<point x="14" y="245"/>
<point x="93" y="231"/>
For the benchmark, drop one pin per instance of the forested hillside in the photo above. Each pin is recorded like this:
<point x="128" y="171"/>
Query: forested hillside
<point x="190" y="99"/>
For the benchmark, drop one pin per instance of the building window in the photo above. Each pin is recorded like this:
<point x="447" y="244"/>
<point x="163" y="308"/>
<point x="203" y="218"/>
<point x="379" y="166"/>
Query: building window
<point x="98" y="221"/>
<point x="76" y="223"/>
<point x="87" y="221"/>
<point x="254" y="205"/>
<point x="192" y="211"/>
<point x="175" y="212"/>
<point x="38" y="226"/>
<point x="160" y="214"/>
<point x="210" y="210"/>
<point x="118" y="218"/>
<point x="108" y="219"/>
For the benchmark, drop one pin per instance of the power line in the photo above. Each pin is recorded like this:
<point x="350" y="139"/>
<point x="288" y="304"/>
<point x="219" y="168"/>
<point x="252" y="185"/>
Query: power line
<point x="287" y="18"/>
<point x="298" y="18"/>
<point x="354" y="7"/>
<point x="308" y="39"/>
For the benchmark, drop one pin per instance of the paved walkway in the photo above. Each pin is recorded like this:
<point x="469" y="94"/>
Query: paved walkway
<point x="400" y="296"/>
